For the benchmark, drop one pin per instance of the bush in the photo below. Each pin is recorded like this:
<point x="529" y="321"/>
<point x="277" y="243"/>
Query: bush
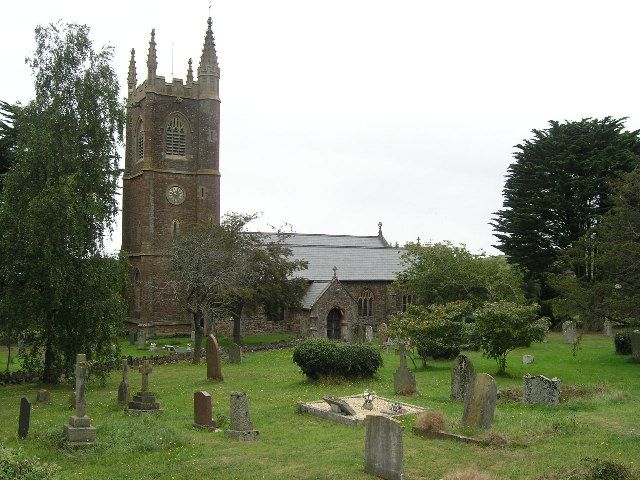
<point x="17" y="466"/>
<point x="431" y="421"/>
<point x="622" y="341"/>
<point x="327" y="358"/>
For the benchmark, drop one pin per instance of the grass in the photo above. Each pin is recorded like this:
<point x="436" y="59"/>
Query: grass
<point x="602" y="422"/>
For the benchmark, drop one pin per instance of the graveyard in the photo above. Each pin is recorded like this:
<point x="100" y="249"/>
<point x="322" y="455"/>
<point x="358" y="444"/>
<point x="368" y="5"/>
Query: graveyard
<point x="598" y="416"/>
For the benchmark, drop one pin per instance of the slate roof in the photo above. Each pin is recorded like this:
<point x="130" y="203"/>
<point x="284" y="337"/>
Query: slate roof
<point x="313" y="293"/>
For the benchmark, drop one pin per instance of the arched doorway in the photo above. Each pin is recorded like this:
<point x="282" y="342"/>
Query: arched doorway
<point x="333" y="324"/>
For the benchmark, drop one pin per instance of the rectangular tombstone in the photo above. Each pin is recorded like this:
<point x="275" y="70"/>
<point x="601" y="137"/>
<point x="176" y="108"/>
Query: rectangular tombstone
<point x="635" y="346"/>
<point x="607" y="329"/>
<point x="368" y="334"/>
<point x="540" y="390"/>
<point x="202" y="414"/>
<point x="43" y="396"/>
<point x="383" y="451"/>
<point x="462" y="377"/>
<point x="569" y="332"/>
<point x="480" y="402"/>
<point x="25" y="417"/>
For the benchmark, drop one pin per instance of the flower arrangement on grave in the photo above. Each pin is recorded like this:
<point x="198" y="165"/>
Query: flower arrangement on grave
<point x="368" y="399"/>
<point x="397" y="408"/>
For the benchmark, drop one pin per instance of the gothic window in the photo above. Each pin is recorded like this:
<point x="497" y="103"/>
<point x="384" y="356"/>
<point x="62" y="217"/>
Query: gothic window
<point x="176" y="137"/>
<point x="406" y="301"/>
<point x="365" y="304"/>
<point x="175" y="228"/>
<point x="140" y="142"/>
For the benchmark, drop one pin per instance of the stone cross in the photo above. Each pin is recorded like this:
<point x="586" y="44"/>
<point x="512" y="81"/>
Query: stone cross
<point x="383" y="452"/>
<point x="82" y="370"/>
<point x="404" y="381"/>
<point x="145" y="370"/>
<point x="402" y="351"/>
<point x="462" y="377"/>
<point x="25" y="416"/>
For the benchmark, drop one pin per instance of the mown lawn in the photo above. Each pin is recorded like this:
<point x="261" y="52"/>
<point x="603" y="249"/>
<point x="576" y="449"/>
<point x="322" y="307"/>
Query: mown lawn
<point x="604" y="423"/>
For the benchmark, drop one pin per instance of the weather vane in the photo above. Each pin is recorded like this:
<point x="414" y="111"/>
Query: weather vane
<point x="209" y="7"/>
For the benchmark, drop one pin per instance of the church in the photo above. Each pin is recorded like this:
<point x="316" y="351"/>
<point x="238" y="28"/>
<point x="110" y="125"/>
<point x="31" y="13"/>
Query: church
<point x="171" y="182"/>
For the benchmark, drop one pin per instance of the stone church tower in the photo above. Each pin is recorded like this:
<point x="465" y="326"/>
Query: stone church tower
<point x="171" y="177"/>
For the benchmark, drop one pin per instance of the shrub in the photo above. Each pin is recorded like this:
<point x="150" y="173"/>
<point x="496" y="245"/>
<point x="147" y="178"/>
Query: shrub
<point x="503" y="326"/>
<point x="622" y="341"/>
<point x="431" y="421"/>
<point x="436" y="331"/>
<point x="17" y="466"/>
<point x="606" y="470"/>
<point x="320" y="358"/>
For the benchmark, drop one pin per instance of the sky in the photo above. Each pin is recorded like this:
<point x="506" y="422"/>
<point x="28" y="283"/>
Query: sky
<point x="339" y="114"/>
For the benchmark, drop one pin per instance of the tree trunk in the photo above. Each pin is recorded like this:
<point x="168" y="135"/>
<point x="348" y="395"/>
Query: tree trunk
<point x="49" y="376"/>
<point x="8" y="352"/>
<point x="237" y="334"/>
<point x="197" y="327"/>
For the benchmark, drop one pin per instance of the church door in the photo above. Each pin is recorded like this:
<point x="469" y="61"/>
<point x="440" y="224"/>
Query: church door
<point x="333" y="324"/>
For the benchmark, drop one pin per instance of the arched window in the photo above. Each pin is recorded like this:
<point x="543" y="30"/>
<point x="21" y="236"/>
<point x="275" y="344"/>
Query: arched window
<point x="137" y="289"/>
<point x="365" y="304"/>
<point x="176" y="137"/>
<point x="140" y="141"/>
<point x="406" y="301"/>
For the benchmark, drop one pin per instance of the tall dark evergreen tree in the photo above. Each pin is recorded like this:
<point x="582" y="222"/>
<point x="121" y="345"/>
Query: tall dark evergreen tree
<point x="558" y="188"/>
<point x="59" y="199"/>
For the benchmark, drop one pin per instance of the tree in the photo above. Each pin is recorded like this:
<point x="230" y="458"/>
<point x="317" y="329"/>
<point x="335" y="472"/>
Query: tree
<point x="438" y="273"/>
<point x="8" y="138"/>
<point x="558" y="188"/>
<point x="502" y="326"/>
<point x="227" y="271"/>
<point x="59" y="199"/>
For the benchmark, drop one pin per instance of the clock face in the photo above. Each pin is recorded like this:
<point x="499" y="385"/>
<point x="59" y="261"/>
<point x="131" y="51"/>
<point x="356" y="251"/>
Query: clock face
<point x="175" y="195"/>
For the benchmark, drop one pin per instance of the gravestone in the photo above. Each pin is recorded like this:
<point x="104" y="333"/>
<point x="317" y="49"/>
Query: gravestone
<point x="338" y="405"/>
<point x="569" y="332"/>
<point x="480" y="402"/>
<point x="635" y="346"/>
<point x="25" y="417"/>
<point x="404" y="381"/>
<point x="368" y="334"/>
<point x="144" y="401"/>
<point x="72" y="400"/>
<point x="462" y="376"/>
<point x="607" y="329"/>
<point x="79" y="432"/>
<point x="193" y="335"/>
<point x="383" y="333"/>
<point x="214" y="365"/>
<point x="123" y="388"/>
<point x="241" y="426"/>
<point x="141" y="339"/>
<point x="202" y="417"/>
<point x="528" y="359"/>
<point x="132" y="337"/>
<point x="235" y="353"/>
<point x="540" y="390"/>
<point x="383" y="455"/>
<point x="43" y="396"/>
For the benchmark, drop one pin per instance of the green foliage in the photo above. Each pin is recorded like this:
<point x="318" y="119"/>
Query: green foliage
<point x="15" y="465"/>
<point x="59" y="200"/>
<point x="598" y="469"/>
<point x="442" y="273"/>
<point x="622" y="341"/>
<point x="558" y="188"/>
<point x="502" y="326"/>
<point x="327" y="358"/>
<point x="436" y="331"/>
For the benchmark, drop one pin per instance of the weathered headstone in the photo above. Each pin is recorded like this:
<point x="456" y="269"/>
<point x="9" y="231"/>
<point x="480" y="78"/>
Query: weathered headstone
<point x="368" y="334"/>
<point x="607" y="329"/>
<point x="635" y="346"/>
<point x="78" y="431"/>
<point x="43" y="396"/>
<point x="193" y="335"/>
<point x="202" y="417"/>
<point x="123" y="388"/>
<point x="383" y="452"/>
<point x="72" y="400"/>
<point x="241" y="425"/>
<point x="235" y="353"/>
<point x="214" y="365"/>
<point x="569" y="332"/>
<point x="25" y="416"/>
<point x="404" y="381"/>
<point x="132" y="337"/>
<point x="338" y="405"/>
<point x="528" y="359"/>
<point x="540" y="390"/>
<point x="462" y="377"/>
<point x="480" y="402"/>
<point x="144" y="401"/>
<point x="141" y="339"/>
<point x="383" y="333"/>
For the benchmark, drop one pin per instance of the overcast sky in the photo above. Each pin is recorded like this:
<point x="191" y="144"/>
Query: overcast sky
<point x="337" y="114"/>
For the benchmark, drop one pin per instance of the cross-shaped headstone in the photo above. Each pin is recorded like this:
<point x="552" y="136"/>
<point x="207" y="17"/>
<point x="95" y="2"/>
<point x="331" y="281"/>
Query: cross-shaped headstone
<point x="335" y="272"/>
<point x="402" y="351"/>
<point x="82" y="370"/>
<point x="145" y="370"/>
